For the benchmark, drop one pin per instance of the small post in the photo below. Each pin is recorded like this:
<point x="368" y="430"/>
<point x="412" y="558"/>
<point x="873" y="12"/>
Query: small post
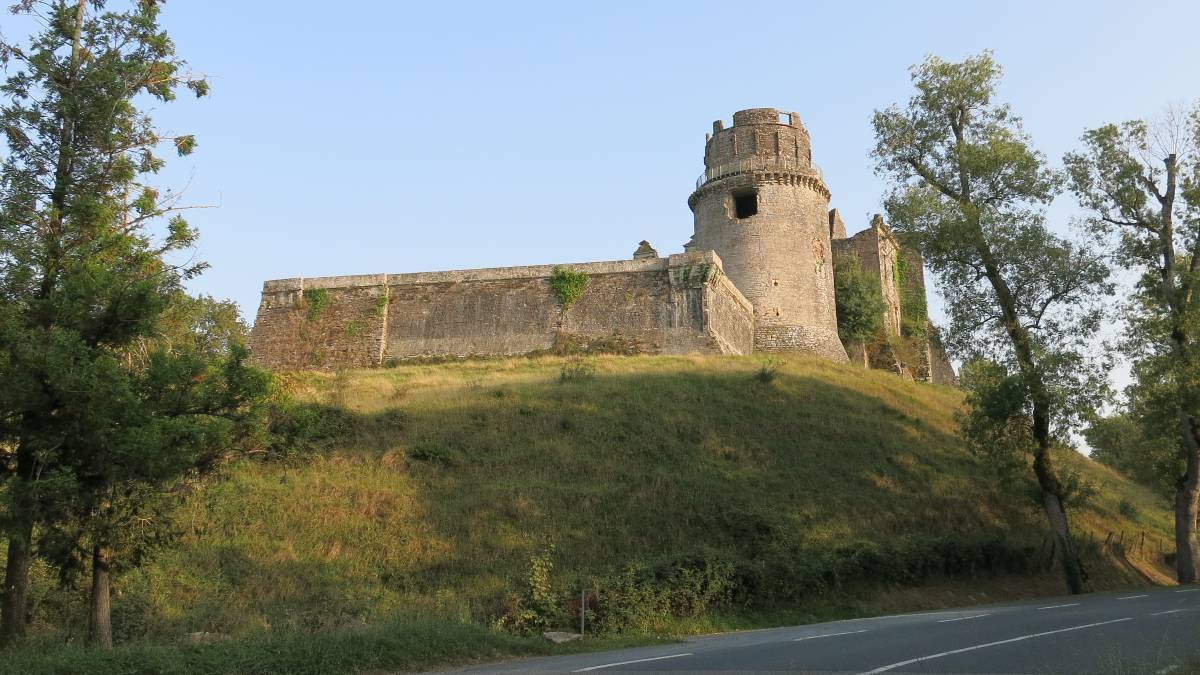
<point x="582" y="607"/>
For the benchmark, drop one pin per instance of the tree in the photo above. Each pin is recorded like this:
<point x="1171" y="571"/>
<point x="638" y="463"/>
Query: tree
<point x="860" y="305"/>
<point x="1140" y="184"/>
<point x="969" y="192"/>
<point x="98" y="413"/>
<point x="1118" y="441"/>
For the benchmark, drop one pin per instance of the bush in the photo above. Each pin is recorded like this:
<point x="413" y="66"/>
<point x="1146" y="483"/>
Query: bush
<point x="576" y="370"/>
<point x="537" y="609"/>
<point x="316" y="300"/>
<point x="302" y="428"/>
<point x="768" y="371"/>
<point x="1127" y="509"/>
<point x="641" y="598"/>
<point x="568" y="286"/>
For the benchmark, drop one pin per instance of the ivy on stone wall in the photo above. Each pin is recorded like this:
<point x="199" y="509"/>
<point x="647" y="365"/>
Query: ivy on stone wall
<point x="914" y="314"/>
<point x="315" y="300"/>
<point x="568" y="286"/>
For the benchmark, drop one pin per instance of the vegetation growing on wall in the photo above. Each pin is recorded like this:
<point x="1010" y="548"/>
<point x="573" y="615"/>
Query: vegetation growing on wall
<point x="568" y="286"/>
<point x="316" y="300"/>
<point x="914" y="314"/>
<point x="860" y="305"/>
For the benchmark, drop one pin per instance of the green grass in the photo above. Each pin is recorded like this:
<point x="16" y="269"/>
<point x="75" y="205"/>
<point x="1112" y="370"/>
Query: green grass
<point x="830" y="490"/>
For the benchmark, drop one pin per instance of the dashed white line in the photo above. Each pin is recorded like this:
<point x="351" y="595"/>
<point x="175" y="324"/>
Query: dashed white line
<point x="1169" y="611"/>
<point x="1188" y="590"/>
<point x="901" y="664"/>
<point x="1069" y="604"/>
<point x="625" y="663"/>
<point x="1131" y="597"/>
<point x="814" y="637"/>
<point x="965" y="618"/>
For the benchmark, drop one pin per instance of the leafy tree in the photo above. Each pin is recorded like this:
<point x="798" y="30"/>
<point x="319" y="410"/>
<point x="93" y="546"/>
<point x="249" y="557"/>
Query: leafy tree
<point x="860" y="305"/>
<point x="969" y="191"/>
<point x="99" y="410"/>
<point x="1119" y="442"/>
<point x="1141" y="185"/>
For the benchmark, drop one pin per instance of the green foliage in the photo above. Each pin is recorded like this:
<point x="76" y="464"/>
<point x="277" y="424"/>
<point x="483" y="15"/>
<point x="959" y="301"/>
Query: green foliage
<point x="297" y="428"/>
<point x="914" y="314"/>
<point x="768" y="371"/>
<point x="316" y="301"/>
<point x="860" y="304"/>
<point x="538" y="607"/>
<point x="381" y="305"/>
<point x="406" y="645"/>
<point x="1127" y="509"/>
<point x="1118" y="441"/>
<point x="644" y="598"/>
<point x="577" y="370"/>
<point x="356" y="328"/>
<point x="568" y="286"/>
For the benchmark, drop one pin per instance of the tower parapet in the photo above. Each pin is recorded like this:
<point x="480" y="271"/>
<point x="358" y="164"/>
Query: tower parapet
<point x="763" y="206"/>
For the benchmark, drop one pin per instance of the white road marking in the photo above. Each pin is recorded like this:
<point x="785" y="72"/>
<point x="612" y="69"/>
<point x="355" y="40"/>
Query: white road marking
<point x="1131" y="597"/>
<point x="625" y="663"/>
<point x="964" y="618"/>
<point x="1169" y="611"/>
<point x="814" y="637"/>
<point x="1069" y="604"/>
<point x="901" y="664"/>
<point x="1188" y="590"/>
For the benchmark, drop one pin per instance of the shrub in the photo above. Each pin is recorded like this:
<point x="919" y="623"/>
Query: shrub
<point x="768" y="371"/>
<point x="301" y="428"/>
<point x="568" y="286"/>
<point x="537" y="609"/>
<point x="1127" y="509"/>
<point x="432" y="453"/>
<point x="315" y="300"/>
<point x="643" y="597"/>
<point x="576" y="370"/>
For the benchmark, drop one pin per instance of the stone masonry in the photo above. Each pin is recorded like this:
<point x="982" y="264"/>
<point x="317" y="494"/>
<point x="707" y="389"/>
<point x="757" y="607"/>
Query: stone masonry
<point x="757" y="276"/>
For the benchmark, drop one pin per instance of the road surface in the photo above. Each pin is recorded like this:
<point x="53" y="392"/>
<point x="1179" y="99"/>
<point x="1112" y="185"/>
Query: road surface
<point x="1149" y="631"/>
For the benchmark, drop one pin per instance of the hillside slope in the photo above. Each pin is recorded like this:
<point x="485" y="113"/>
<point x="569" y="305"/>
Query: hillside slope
<point x="816" y="489"/>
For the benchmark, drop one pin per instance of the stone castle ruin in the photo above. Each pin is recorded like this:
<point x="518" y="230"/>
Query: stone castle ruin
<point x="756" y="276"/>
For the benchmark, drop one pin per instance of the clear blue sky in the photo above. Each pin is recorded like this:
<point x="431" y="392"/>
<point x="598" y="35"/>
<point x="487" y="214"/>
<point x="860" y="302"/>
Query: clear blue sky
<point x="365" y="137"/>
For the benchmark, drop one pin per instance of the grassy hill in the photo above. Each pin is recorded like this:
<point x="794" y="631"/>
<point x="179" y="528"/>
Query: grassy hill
<point x="693" y="493"/>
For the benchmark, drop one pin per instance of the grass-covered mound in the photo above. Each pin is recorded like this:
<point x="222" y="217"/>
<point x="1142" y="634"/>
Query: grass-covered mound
<point x="686" y="493"/>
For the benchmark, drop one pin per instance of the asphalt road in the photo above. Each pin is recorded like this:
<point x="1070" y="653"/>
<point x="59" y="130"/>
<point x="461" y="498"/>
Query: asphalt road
<point x="1152" y="631"/>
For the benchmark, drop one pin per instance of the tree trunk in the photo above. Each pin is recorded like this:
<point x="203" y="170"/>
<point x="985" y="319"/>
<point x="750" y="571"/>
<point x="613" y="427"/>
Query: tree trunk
<point x="100" y="606"/>
<point x="1187" y="492"/>
<point x="16" y="585"/>
<point x="1071" y="565"/>
<point x="14" y="600"/>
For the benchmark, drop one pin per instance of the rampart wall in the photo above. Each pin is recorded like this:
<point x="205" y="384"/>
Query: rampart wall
<point x="676" y="305"/>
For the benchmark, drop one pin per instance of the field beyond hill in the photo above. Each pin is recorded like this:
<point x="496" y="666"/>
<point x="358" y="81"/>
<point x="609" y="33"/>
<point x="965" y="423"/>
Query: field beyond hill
<point x="424" y="514"/>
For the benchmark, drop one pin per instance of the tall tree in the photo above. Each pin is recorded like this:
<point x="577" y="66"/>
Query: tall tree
<point x="969" y="191"/>
<point x="86" y="420"/>
<point x="1140" y="183"/>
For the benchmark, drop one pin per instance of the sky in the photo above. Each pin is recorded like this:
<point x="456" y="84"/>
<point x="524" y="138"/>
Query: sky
<point x="371" y="137"/>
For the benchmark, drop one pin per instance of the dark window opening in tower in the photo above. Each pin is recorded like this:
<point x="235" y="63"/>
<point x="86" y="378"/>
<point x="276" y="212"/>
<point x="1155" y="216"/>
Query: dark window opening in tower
<point x="745" y="204"/>
<point x="785" y="118"/>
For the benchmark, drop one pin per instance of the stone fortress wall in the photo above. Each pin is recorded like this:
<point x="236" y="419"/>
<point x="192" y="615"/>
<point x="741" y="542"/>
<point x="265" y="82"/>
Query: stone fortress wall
<point x="680" y="304"/>
<point x="757" y="276"/>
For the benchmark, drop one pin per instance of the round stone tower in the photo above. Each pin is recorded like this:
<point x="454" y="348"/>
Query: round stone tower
<point x="763" y="206"/>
